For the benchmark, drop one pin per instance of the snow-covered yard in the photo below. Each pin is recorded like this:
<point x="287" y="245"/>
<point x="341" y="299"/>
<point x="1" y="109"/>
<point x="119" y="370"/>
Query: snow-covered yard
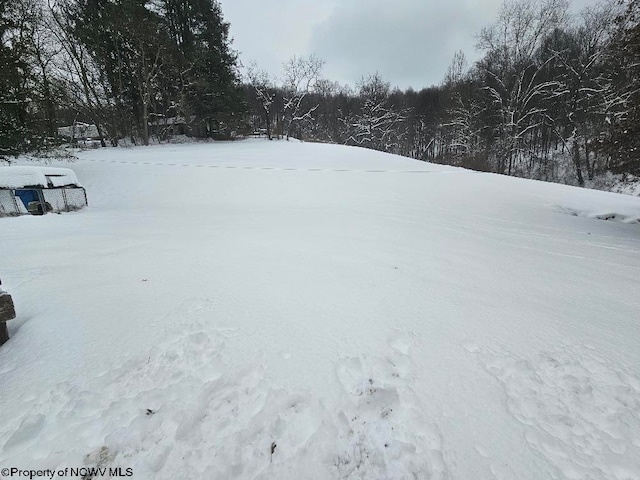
<point x="282" y="310"/>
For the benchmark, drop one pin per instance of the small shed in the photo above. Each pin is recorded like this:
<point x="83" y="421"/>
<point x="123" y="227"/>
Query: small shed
<point x="79" y="131"/>
<point x="39" y="190"/>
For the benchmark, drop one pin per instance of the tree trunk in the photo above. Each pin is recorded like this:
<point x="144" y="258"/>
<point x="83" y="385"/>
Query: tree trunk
<point x="576" y="162"/>
<point x="101" y="134"/>
<point x="590" y="164"/>
<point x="145" y="122"/>
<point x="267" y="119"/>
<point x="49" y="107"/>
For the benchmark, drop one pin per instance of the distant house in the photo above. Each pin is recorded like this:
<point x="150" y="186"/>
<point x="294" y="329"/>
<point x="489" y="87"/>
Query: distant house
<point x="167" y="126"/>
<point x="39" y="190"/>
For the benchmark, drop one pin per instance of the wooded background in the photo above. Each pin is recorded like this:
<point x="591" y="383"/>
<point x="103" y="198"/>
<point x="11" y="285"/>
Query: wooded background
<point x="554" y="96"/>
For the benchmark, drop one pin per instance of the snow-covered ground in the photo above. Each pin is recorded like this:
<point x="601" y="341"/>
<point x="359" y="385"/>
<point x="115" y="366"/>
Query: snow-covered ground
<point x="281" y="310"/>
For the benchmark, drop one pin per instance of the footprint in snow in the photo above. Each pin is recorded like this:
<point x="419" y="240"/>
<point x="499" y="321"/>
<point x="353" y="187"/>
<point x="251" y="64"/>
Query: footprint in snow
<point x="580" y="411"/>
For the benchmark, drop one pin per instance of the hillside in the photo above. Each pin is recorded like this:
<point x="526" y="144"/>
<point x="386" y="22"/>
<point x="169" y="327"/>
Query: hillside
<point x="283" y="310"/>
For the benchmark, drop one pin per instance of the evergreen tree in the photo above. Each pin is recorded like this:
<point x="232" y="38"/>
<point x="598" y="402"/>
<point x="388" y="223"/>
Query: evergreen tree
<point x="127" y="39"/>
<point x="210" y="96"/>
<point x="624" y="114"/>
<point x="15" y="128"/>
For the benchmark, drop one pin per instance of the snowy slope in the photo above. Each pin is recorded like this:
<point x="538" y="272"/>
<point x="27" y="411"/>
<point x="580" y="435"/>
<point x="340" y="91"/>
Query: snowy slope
<point x="282" y="310"/>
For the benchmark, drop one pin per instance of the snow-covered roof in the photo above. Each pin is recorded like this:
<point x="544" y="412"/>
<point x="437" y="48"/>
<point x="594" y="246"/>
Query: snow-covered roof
<point x="19" y="177"/>
<point x="169" y="121"/>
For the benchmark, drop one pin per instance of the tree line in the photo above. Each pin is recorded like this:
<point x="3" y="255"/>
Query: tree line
<point x="553" y="96"/>
<point x="122" y="65"/>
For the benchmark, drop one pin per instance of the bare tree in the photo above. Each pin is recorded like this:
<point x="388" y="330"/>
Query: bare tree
<point x="148" y="63"/>
<point x="300" y="78"/>
<point x="514" y="82"/>
<point x="521" y="106"/>
<point x="622" y="140"/>
<point x="462" y="130"/>
<point x="457" y="69"/>
<point x="264" y="89"/>
<point x="520" y="29"/>
<point x="80" y="74"/>
<point x="44" y="50"/>
<point x="377" y="124"/>
<point x="585" y="83"/>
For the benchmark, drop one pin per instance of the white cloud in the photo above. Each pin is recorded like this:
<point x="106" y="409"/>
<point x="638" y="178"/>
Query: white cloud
<point x="409" y="42"/>
<point x="269" y="33"/>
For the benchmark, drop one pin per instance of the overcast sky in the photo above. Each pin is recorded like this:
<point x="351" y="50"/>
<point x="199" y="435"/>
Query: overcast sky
<point x="409" y="42"/>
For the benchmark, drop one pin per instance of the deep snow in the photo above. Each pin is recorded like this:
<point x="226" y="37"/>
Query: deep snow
<point x="360" y="314"/>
